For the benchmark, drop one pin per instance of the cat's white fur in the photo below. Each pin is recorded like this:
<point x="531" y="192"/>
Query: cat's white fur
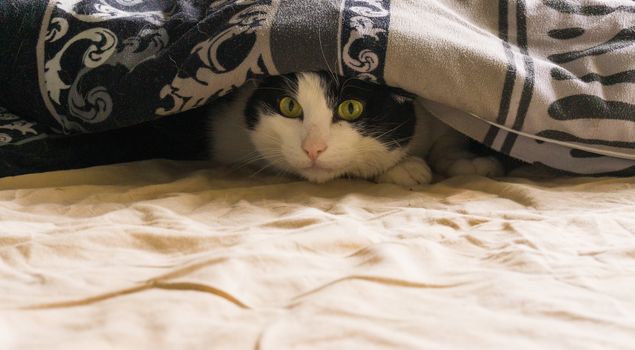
<point x="285" y="143"/>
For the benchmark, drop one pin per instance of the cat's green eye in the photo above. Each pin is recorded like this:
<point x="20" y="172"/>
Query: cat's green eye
<point x="350" y="110"/>
<point x="290" y="108"/>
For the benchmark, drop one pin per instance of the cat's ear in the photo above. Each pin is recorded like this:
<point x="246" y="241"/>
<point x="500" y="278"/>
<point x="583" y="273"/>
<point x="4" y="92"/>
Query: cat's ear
<point x="254" y="81"/>
<point x="401" y="96"/>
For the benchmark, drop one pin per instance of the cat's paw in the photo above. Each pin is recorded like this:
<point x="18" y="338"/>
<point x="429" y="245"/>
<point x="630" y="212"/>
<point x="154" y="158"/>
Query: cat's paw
<point x="483" y="166"/>
<point x="409" y="172"/>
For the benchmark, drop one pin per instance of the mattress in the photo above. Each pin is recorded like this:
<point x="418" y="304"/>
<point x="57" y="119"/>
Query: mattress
<point x="180" y="255"/>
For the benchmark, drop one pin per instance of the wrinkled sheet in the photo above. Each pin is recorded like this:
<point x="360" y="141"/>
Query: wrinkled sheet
<point x="168" y="255"/>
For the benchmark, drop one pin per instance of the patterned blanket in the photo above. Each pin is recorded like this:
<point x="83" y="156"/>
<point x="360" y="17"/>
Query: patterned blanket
<point x="544" y="81"/>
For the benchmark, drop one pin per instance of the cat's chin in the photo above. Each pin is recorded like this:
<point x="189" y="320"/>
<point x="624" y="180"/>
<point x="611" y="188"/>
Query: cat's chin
<point x="318" y="175"/>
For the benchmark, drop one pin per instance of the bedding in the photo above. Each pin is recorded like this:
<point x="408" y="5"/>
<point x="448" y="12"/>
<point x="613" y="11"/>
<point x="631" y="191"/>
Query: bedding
<point x="161" y="254"/>
<point x="175" y="255"/>
<point x="546" y="81"/>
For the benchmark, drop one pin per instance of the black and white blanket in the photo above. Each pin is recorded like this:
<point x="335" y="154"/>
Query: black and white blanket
<point x="545" y="81"/>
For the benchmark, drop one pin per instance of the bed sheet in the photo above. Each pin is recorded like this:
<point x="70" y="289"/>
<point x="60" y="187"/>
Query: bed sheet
<point x="177" y="255"/>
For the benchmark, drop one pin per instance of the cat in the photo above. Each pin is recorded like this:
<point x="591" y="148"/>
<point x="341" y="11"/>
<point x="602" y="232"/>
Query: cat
<point x="320" y="127"/>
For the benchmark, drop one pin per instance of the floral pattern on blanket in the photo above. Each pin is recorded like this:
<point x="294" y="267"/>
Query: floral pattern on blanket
<point x="99" y="55"/>
<point x="14" y="129"/>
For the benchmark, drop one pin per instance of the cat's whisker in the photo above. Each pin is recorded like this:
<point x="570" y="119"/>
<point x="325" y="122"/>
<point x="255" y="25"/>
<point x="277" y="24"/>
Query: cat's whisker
<point x="343" y="86"/>
<point x="330" y="70"/>
<point x="283" y="172"/>
<point x="271" y="137"/>
<point x="391" y="130"/>
<point x="254" y="157"/>
<point x="290" y="84"/>
<point x="246" y="164"/>
<point x="261" y="170"/>
<point x="399" y="140"/>
<point x="246" y="158"/>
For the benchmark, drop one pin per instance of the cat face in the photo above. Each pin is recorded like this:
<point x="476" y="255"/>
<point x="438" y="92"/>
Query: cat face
<point x="321" y="128"/>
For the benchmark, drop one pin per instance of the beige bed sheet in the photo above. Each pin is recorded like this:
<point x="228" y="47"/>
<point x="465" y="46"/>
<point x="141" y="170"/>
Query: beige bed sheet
<point x="167" y="255"/>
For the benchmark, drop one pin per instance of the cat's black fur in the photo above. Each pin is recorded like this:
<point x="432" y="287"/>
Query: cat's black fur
<point x="388" y="112"/>
<point x="388" y="136"/>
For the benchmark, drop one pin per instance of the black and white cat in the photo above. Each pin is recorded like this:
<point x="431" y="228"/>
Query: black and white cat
<point x="322" y="127"/>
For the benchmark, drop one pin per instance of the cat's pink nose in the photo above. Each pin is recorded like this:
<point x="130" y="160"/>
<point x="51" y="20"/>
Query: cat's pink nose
<point x="314" y="149"/>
